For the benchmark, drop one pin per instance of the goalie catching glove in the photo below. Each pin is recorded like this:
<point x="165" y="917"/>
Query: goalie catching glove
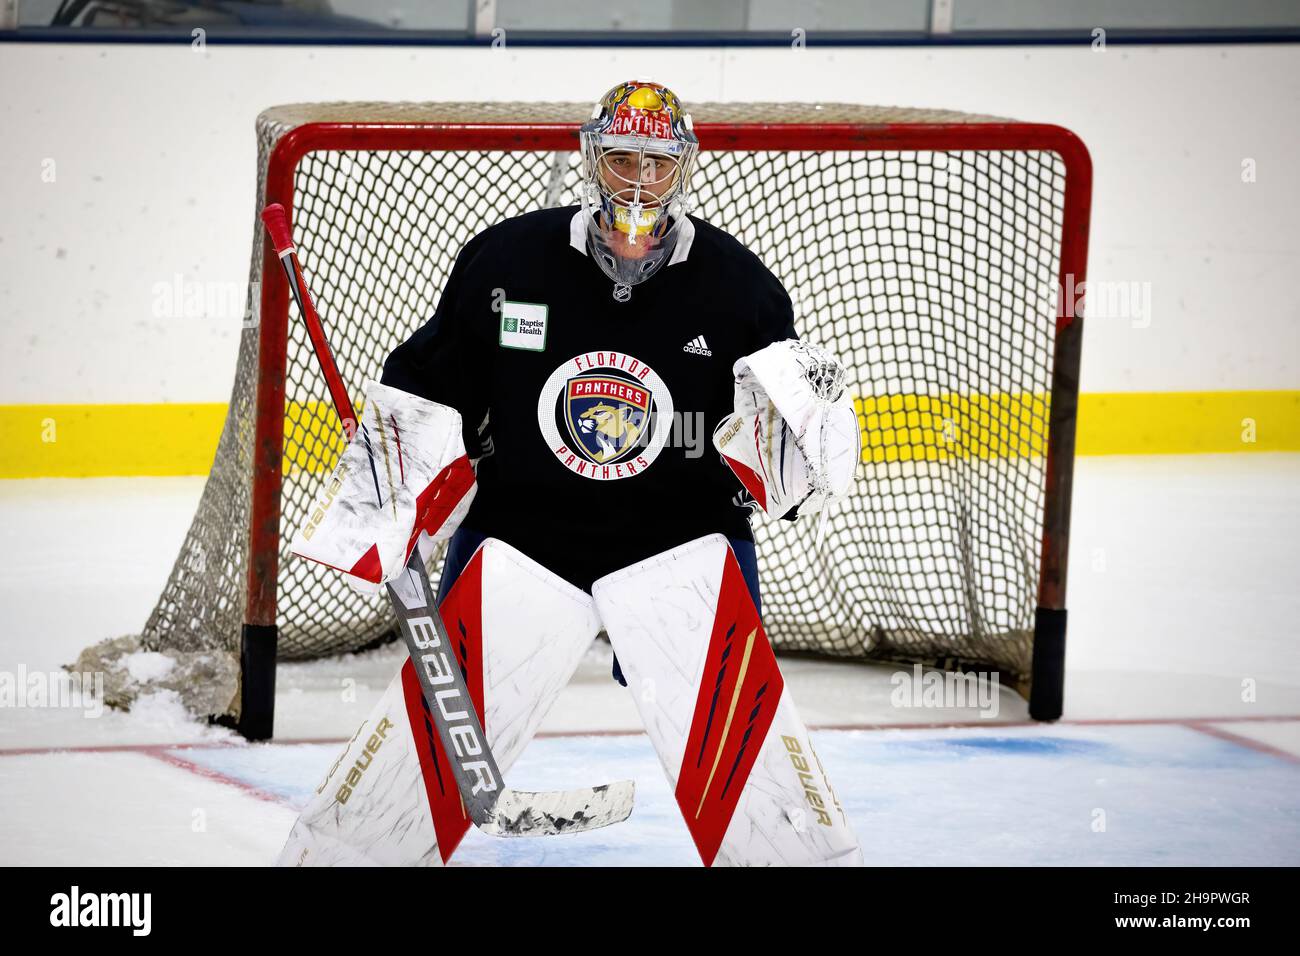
<point x="404" y="473"/>
<point x="793" y="440"/>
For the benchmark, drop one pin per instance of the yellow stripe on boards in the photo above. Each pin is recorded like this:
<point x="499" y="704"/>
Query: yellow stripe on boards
<point x="96" y="441"/>
<point x="83" y="441"/>
<point x="937" y="427"/>
<point x="1187" y="423"/>
<point x="313" y="437"/>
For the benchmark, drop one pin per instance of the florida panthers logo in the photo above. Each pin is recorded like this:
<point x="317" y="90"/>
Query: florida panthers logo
<point x="608" y="431"/>
<point x="605" y="415"/>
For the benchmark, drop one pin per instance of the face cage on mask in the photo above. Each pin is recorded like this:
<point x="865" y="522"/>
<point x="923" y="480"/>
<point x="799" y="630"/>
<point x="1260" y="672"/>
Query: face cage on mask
<point x="603" y="204"/>
<point x="635" y="196"/>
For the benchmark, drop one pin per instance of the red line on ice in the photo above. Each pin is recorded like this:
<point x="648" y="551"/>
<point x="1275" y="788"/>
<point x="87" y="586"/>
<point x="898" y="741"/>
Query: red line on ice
<point x="1205" y="728"/>
<point x="216" y="776"/>
<point x="1197" y="723"/>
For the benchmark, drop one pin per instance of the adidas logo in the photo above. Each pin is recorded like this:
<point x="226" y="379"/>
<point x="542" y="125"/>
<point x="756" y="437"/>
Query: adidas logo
<point x="697" y="346"/>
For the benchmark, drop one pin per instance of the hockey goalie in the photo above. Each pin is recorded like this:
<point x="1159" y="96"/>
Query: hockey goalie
<point x="605" y="397"/>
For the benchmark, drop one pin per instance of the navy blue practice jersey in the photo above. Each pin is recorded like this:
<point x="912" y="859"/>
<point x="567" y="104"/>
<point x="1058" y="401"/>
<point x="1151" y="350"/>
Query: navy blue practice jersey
<point x="592" y="417"/>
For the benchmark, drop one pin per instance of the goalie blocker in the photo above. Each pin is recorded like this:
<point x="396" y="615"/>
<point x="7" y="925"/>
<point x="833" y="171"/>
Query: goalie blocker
<point x="404" y="474"/>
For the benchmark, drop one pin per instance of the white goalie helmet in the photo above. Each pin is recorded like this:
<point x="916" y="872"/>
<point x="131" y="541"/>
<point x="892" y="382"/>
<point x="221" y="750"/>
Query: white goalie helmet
<point x="638" y="152"/>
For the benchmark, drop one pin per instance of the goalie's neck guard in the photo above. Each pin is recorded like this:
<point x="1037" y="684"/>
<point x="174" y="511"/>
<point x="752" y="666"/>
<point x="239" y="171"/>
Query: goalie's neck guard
<point x="638" y="151"/>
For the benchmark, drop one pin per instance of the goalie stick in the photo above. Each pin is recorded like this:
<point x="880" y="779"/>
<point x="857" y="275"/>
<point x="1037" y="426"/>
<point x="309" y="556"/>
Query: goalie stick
<point x="493" y="807"/>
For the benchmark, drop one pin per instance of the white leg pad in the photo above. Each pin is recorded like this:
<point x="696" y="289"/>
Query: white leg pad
<point x="519" y="632"/>
<point x="714" y="704"/>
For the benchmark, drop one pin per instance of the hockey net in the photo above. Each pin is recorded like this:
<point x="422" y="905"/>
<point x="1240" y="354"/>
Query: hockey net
<point x="925" y="248"/>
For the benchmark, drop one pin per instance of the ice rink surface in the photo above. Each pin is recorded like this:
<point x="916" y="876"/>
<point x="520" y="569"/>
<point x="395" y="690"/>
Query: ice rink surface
<point x="1180" y="743"/>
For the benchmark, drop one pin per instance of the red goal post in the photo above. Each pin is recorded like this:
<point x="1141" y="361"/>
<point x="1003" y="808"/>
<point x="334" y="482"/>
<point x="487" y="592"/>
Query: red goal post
<point x="919" y="245"/>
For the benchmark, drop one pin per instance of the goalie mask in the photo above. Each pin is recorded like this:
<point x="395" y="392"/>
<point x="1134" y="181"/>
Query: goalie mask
<point x="638" y="150"/>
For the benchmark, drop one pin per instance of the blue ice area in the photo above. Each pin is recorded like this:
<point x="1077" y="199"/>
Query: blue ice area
<point x="1122" y="795"/>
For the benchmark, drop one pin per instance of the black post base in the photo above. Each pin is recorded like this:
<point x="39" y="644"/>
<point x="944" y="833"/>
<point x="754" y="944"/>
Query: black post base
<point x="257" y="682"/>
<point x="1047" y="686"/>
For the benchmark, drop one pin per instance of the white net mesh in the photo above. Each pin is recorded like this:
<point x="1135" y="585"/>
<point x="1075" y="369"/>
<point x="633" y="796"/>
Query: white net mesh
<point x="928" y="273"/>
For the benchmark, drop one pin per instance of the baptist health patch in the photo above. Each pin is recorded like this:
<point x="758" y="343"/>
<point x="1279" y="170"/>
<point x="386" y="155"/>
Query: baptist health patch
<point x="605" y="415"/>
<point x="523" y="326"/>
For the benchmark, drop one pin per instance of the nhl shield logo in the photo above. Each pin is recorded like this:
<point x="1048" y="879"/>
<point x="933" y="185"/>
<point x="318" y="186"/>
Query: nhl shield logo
<point x="605" y="415"/>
